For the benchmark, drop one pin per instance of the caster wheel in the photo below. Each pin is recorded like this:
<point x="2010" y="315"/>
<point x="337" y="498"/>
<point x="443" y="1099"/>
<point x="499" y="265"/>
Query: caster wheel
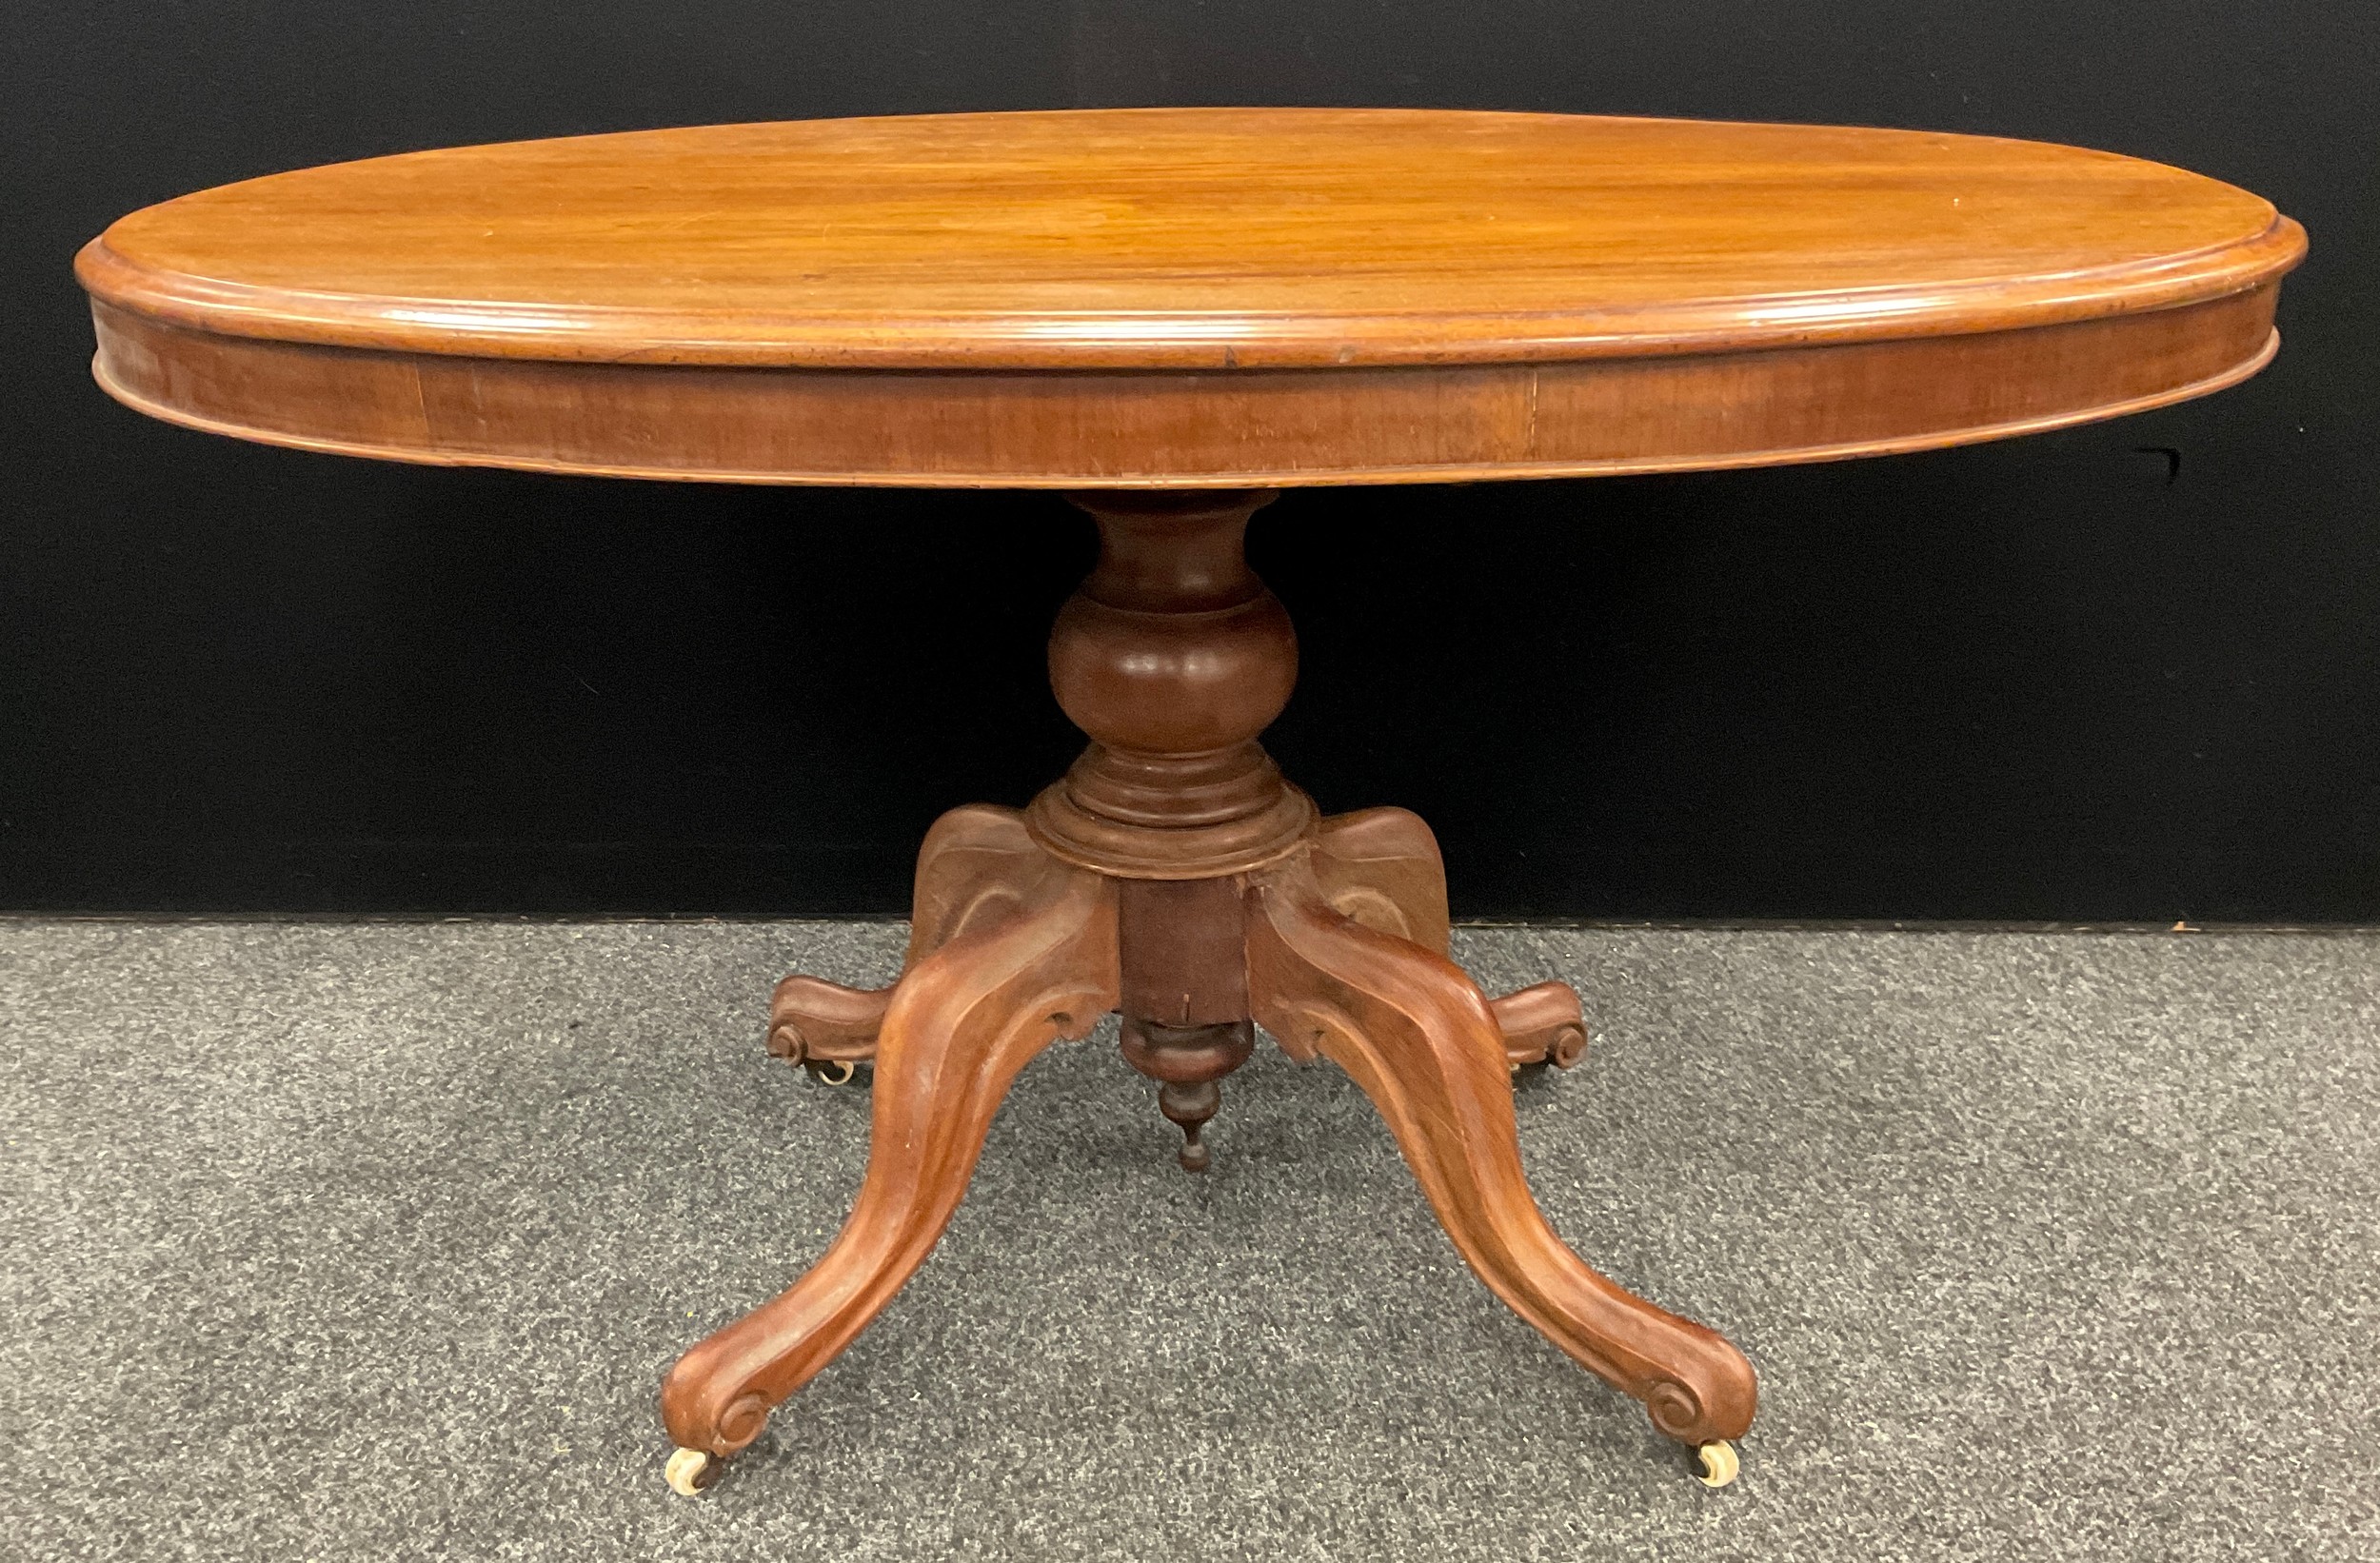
<point x="832" y="1070"/>
<point x="689" y="1470"/>
<point x="1719" y="1463"/>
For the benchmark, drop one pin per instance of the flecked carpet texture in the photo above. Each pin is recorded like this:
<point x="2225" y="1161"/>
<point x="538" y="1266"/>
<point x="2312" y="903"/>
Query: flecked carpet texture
<point x="373" y="1241"/>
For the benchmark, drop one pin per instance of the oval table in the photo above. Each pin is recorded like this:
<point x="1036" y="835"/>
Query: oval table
<point x="1169" y="314"/>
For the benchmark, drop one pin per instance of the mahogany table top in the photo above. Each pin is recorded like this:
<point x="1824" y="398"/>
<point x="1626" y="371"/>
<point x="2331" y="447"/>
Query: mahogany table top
<point x="1186" y="296"/>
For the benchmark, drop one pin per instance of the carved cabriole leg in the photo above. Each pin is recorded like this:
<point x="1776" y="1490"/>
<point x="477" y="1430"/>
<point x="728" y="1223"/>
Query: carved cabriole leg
<point x="1173" y="875"/>
<point x="1382" y="867"/>
<point x="1420" y="1040"/>
<point x="976" y="863"/>
<point x="960" y="1024"/>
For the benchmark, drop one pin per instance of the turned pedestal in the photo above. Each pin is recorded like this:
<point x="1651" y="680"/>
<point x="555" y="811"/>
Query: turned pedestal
<point x="1169" y="313"/>
<point x="1174" y="876"/>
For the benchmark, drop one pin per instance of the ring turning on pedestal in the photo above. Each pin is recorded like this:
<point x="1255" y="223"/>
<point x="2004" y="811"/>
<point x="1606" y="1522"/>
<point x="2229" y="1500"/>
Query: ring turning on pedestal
<point x="1202" y="896"/>
<point x="1168" y="312"/>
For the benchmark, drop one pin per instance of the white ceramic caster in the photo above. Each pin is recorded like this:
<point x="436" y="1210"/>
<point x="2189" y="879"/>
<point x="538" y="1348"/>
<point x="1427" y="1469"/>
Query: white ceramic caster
<point x="689" y="1470"/>
<point x="1719" y="1463"/>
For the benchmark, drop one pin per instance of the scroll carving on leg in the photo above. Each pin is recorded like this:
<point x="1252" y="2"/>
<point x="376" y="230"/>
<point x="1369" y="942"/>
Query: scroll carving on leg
<point x="1382" y="867"/>
<point x="976" y="863"/>
<point x="1003" y="984"/>
<point x="1424" y="1045"/>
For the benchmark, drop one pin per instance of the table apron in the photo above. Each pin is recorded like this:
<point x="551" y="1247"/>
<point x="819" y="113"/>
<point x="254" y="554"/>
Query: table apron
<point x="1171" y="428"/>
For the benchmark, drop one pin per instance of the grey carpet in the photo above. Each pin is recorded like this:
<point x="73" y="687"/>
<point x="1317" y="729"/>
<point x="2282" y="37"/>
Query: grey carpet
<point x="374" y="1242"/>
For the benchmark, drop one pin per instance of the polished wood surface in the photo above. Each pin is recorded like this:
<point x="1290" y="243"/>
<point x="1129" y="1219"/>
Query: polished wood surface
<point x="969" y="869"/>
<point x="1418" y="1038"/>
<point x="1380" y="868"/>
<point x="1223" y="901"/>
<point x="1161" y="297"/>
<point x="962" y="1022"/>
<point x="1186" y="238"/>
<point x="1172" y="313"/>
<point x="1173" y="656"/>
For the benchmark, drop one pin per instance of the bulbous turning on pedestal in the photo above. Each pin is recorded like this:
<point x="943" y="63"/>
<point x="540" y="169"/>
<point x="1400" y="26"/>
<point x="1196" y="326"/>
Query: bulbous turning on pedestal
<point x="1174" y="879"/>
<point x="1172" y="657"/>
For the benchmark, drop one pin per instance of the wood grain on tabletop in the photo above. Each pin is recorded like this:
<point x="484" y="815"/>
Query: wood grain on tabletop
<point x="1439" y="259"/>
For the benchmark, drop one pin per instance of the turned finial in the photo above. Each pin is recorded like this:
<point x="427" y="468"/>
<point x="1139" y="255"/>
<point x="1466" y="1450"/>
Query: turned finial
<point x="1187" y="1061"/>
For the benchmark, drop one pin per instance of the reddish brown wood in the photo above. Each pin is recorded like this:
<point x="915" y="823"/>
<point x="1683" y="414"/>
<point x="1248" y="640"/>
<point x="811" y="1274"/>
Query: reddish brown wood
<point x="1419" y="1040"/>
<point x="819" y="1025"/>
<point x="1181" y="943"/>
<point x="960" y="1024"/>
<point x="1047" y="299"/>
<point x="1541" y="1024"/>
<point x="1173" y="656"/>
<point x="1172" y="312"/>
<point x="1171" y="429"/>
<point x="1188" y="239"/>
<point x="1185" y="996"/>
<point x="1189" y="1062"/>
<point x="977" y="862"/>
<point x="1170" y="656"/>
<point x="1382" y="867"/>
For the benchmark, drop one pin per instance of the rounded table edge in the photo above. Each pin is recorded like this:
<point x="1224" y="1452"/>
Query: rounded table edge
<point x="1159" y="429"/>
<point x="587" y="334"/>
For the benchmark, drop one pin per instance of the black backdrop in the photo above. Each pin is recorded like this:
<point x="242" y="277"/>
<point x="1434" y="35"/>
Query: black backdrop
<point x="2055" y="678"/>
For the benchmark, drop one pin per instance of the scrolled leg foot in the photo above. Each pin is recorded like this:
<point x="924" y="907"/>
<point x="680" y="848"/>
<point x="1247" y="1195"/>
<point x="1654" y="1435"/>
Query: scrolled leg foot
<point x="957" y="1028"/>
<point x="1424" y="1045"/>
<point x="976" y="863"/>
<point x="1381" y="868"/>
<point x="834" y="1071"/>
<point x="818" y="1024"/>
<point x="1541" y="1024"/>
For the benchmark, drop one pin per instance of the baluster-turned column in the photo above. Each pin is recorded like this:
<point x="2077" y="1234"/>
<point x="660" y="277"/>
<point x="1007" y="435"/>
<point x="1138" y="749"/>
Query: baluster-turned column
<point x="1173" y="656"/>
